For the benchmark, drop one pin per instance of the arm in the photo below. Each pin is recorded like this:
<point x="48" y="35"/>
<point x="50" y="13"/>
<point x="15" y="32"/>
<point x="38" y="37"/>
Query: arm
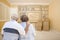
<point x="27" y="27"/>
<point x="2" y="31"/>
<point x="33" y="30"/>
<point x="21" y="30"/>
<point x="26" y="30"/>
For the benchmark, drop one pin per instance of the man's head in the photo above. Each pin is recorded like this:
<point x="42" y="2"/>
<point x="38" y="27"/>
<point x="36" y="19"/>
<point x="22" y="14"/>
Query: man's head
<point x="24" y="18"/>
<point x="14" y="17"/>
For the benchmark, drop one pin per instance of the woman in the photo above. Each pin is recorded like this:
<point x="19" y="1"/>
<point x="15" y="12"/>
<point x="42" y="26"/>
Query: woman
<point x="29" y="28"/>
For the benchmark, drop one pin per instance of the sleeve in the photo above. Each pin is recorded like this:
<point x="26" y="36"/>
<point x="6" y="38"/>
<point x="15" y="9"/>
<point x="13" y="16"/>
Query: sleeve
<point x="33" y="30"/>
<point x="21" y="30"/>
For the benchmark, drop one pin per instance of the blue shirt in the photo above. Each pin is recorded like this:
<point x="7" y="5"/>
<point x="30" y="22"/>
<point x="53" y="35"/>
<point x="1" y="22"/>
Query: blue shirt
<point x="23" y="24"/>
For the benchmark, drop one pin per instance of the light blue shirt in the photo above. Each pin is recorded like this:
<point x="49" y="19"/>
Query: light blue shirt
<point x="23" y="24"/>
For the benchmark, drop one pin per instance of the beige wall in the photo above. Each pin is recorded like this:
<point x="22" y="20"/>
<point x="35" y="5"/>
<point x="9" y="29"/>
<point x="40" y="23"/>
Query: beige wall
<point x="4" y="15"/>
<point x="5" y="2"/>
<point x="54" y="14"/>
<point x="4" y="12"/>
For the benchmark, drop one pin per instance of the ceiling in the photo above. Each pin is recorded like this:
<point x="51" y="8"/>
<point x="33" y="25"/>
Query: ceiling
<point x="17" y="2"/>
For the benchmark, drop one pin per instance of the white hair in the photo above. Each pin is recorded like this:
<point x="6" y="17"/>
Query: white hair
<point x="14" y="16"/>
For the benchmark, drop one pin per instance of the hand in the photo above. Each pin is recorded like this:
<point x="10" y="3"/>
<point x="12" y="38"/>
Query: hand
<point x="27" y="24"/>
<point x="27" y="27"/>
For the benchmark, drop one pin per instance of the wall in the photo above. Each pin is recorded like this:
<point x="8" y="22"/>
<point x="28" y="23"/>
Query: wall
<point x="1" y="24"/>
<point x="54" y="14"/>
<point x="4" y="12"/>
<point x="5" y="2"/>
<point x="4" y="15"/>
<point x="20" y="2"/>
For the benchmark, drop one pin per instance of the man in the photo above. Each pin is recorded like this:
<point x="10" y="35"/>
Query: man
<point x="29" y="28"/>
<point x="12" y="30"/>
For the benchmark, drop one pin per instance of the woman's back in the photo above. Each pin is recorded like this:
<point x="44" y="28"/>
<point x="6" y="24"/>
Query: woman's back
<point x="31" y="32"/>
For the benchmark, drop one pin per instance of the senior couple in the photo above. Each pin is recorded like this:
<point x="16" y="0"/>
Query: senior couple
<point x="12" y="30"/>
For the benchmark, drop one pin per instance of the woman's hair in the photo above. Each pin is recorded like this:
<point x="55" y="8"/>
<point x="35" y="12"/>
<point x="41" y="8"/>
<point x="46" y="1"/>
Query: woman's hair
<point x="24" y="18"/>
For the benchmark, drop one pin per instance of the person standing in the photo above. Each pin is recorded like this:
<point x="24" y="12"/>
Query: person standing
<point x="12" y="30"/>
<point x="29" y="28"/>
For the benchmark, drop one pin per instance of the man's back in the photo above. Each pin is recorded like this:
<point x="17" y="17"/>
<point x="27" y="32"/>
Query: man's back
<point x="13" y="25"/>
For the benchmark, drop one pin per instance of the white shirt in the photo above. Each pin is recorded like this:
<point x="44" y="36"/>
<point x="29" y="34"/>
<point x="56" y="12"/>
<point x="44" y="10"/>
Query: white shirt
<point x="31" y="32"/>
<point x="13" y="24"/>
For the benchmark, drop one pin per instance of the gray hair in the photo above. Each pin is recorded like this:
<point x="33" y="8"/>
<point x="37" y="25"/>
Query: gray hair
<point x="14" y="16"/>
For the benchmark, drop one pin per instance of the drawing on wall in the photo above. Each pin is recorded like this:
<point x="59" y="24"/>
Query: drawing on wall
<point x="36" y="13"/>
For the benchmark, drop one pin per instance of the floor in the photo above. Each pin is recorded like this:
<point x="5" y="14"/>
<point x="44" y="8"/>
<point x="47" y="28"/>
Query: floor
<point x="46" y="35"/>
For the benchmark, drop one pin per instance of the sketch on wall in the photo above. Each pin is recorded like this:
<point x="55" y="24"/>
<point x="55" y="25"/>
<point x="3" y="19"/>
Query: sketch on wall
<point x="37" y="15"/>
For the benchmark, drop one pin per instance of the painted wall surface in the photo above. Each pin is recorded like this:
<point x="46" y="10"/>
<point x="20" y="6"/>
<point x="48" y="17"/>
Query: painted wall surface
<point x="4" y="12"/>
<point x="5" y="2"/>
<point x="54" y="14"/>
<point x="1" y="24"/>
